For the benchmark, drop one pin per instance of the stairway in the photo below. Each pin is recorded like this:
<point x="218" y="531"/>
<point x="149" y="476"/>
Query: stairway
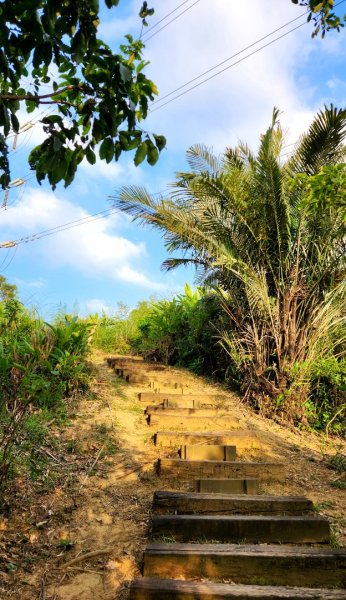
<point x="214" y="536"/>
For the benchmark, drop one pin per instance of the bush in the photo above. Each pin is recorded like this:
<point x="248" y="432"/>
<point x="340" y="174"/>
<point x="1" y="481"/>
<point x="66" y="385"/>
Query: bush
<point x="326" y="406"/>
<point x="40" y="366"/>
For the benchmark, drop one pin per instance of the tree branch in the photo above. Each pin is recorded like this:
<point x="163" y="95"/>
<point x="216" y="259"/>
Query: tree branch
<point x="42" y="97"/>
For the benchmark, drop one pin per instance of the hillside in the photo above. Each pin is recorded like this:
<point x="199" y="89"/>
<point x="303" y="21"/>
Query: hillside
<point x="80" y="532"/>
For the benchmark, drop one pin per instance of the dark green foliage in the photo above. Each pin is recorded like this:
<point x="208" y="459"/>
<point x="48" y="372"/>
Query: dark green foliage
<point x="327" y="403"/>
<point x="322" y="15"/>
<point x="98" y="96"/>
<point x="184" y="331"/>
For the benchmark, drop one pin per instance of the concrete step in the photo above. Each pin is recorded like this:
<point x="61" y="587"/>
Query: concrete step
<point x="244" y="528"/>
<point x="227" y="486"/>
<point x="146" y="588"/>
<point x="210" y="452"/>
<point x="188" y="422"/>
<point x="183" y="503"/>
<point x="249" y="564"/>
<point x="205" y="469"/>
<point x="243" y="439"/>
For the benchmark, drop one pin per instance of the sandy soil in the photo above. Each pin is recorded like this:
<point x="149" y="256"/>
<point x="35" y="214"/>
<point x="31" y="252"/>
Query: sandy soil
<point x="84" y="539"/>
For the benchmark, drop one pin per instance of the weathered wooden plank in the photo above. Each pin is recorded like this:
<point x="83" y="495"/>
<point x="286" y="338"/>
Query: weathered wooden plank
<point x="208" y="452"/>
<point x="200" y="469"/>
<point x="150" y="397"/>
<point x="188" y="422"/>
<point x="198" y="503"/>
<point x="243" y="528"/>
<point x="249" y="564"/>
<point x="146" y="588"/>
<point x="243" y="439"/>
<point x="182" y="411"/>
<point x="227" y="486"/>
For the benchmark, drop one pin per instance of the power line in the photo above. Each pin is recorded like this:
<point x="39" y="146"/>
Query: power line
<point x="166" y="16"/>
<point x="145" y="40"/>
<point x="159" y="100"/>
<point x="64" y="226"/>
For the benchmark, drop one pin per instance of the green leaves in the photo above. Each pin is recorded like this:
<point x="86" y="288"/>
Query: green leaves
<point x="107" y="150"/>
<point x="98" y="96"/>
<point x="141" y="153"/>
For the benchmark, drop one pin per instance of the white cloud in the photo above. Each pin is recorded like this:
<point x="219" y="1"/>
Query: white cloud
<point x="35" y="283"/>
<point x="95" y="305"/>
<point x="238" y="103"/>
<point x="92" y="248"/>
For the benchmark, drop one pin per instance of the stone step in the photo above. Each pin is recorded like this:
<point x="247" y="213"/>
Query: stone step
<point x="210" y="452"/>
<point x="243" y="439"/>
<point x="244" y="528"/>
<point x="183" y="503"/>
<point x="205" y="469"/>
<point x="188" y="422"/>
<point x="182" y="411"/>
<point x="145" y="588"/>
<point x="249" y="564"/>
<point x="227" y="486"/>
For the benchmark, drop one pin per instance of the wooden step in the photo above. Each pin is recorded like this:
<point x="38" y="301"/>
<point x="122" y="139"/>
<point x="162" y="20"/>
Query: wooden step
<point x="113" y="361"/>
<point x="183" y="411"/>
<point x="227" y="486"/>
<point x="249" y="564"/>
<point x="152" y="397"/>
<point x="209" y="452"/>
<point x="188" y="422"/>
<point x="243" y="528"/>
<point x="204" y="469"/>
<point x="183" y="503"/>
<point x="146" y="588"/>
<point x="243" y="439"/>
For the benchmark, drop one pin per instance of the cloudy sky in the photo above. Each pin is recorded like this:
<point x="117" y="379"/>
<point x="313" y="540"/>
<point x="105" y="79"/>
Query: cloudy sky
<point x="108" y="259"/>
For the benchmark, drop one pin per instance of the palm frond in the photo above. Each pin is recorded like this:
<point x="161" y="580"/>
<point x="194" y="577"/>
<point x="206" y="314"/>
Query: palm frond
<point x="323" y="144"/>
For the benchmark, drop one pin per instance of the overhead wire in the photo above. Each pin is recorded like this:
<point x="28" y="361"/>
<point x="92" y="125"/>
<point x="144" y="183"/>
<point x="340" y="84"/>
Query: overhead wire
<point x="159" y="100"/>
<point x="65" y="226"/>
<point x="146" y="39"/>
<point x="102" y="214"/>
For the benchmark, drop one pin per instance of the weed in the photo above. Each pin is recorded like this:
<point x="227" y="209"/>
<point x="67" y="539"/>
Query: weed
<point x="337" y="462"/>
<point x="65" y="544"/>
<point x="324" y="504"/>
<point x="338" y="484"/>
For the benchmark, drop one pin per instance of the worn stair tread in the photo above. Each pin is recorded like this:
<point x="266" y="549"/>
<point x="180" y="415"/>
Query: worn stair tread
<point x="252" y="528"/>
<point x="245" y="486"/>
<point x="189" y="469"/>
<point x="251" y="550"/>
<point x="196" y="590"/>
<point x="261" y="564"/>
<point x="197" y="502"/>
<point x="208" y="452"/>
<point x="185" y="411"/>
<point x="190" y="421"/>
<point x="240" y="437"/>
<point x="176" y="397"/>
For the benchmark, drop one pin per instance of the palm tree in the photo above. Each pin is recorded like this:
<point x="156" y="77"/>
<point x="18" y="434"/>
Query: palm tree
<point x="270" y="236"/>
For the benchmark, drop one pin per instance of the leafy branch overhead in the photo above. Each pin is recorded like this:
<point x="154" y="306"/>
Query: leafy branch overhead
<point x="322" y="15"/>
<point x="50" y="54"/>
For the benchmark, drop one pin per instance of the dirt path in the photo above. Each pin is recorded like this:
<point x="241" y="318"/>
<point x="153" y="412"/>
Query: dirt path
<point x="104" y="514"/>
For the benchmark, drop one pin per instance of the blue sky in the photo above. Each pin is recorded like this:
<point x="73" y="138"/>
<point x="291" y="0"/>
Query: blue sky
<point x="104" y="261"/>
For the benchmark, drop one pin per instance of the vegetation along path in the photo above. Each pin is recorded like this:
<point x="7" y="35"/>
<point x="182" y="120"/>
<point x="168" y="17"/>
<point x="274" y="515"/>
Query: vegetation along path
<point x="159" y="440"/>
